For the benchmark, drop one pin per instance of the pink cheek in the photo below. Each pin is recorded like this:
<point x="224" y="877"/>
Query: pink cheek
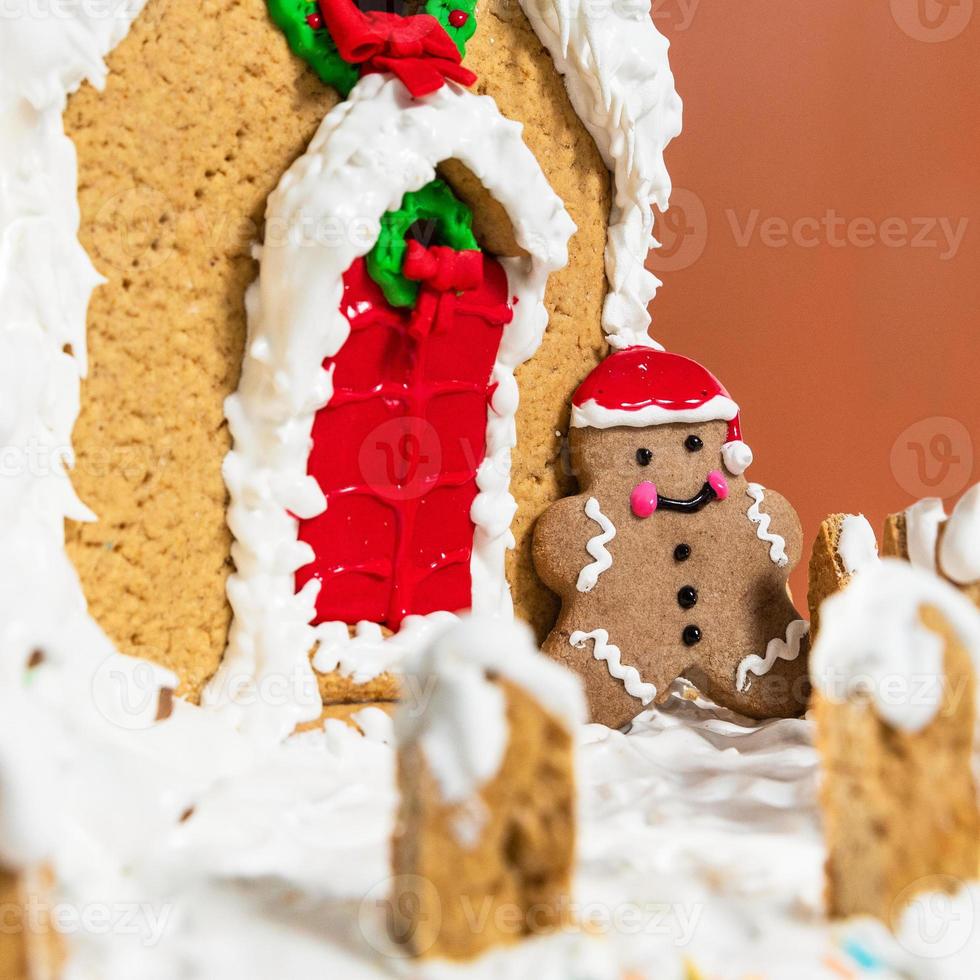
<point x="643" y="499"/>
<point x="718" y="483"/>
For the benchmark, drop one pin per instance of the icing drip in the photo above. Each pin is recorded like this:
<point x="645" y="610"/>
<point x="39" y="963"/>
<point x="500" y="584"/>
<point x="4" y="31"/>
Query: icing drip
<point x="922" y="523"/>
<point x="596" y="547"/>
<point x="618" y="77"/>
<point x="857" y="545"/>
<point x="872" y="641"/>
<point x="368" y="152"/>
<point x="960" y="549"/>
<point x="602" y="649"/>
<point x="777" y="649"/>
<point x="460" y="718"/>
<point x="777" y="549"/>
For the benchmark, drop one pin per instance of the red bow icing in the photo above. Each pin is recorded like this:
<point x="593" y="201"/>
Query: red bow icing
<point x="415" y="49"/>
<point x="443" y="268"/>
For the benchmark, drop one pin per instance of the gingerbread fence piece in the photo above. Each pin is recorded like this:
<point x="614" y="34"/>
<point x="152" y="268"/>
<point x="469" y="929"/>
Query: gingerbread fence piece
<point x="948" y="545"/>
<point x="485" y="840"/>
<point x="894" y="670"/>
<point x="845" y="544"/>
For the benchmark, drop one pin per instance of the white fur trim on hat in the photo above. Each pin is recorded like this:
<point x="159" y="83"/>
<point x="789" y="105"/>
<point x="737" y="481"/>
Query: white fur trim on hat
<point x="591" y="414"/>
<point x="737" y="457"/>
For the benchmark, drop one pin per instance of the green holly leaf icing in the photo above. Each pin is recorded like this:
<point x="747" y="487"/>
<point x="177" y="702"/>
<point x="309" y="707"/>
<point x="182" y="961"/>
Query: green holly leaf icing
<point x="453" y="227"/>
<point x="443" y="10"/>
<point x="315" y="47"/>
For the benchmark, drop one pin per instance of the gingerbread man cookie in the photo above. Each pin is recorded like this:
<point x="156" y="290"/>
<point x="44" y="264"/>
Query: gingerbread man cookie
<point x="669" y="562"/>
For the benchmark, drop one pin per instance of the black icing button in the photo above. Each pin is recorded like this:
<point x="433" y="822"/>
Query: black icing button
<point x="682" y="552"/>
<point x="691" y="635"/>
<point x="687" y="597"/>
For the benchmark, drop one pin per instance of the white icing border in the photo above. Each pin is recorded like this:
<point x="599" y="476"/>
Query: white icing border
<point x="591" y="414"/>
<point x="777" y="649"/>
<point x="619" y="81"/>
<point x="602" y="649"/>
<point x="596" y="547"/>
<point x="777" y="543"/>
<point x="369" y="151"/>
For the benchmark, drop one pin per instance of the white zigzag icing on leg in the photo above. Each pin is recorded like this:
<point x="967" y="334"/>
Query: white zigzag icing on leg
<point x="777" y="649"/>
<point x="596" y="547"/>
<point x="604" y="650"/>
<point x="777" y="550"/>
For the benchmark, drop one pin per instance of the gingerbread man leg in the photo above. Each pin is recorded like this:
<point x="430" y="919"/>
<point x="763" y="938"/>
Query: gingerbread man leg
<point x="616" y="691"/>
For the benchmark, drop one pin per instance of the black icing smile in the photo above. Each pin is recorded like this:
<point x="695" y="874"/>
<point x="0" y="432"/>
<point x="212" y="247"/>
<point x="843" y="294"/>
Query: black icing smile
<point x="692" y="505"/>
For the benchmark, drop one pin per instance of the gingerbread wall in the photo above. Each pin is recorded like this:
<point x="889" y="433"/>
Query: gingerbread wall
<point x="203" y="111"/>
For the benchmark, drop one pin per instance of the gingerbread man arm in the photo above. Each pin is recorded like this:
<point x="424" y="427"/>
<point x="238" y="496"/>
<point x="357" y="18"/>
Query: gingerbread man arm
<point x="557" y="559"/>
<point x="784" y="522"/>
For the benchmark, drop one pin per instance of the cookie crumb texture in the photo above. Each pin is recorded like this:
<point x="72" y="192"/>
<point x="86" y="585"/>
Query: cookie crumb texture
<point x="204" y="110"/>
<point x="517" y="870"/>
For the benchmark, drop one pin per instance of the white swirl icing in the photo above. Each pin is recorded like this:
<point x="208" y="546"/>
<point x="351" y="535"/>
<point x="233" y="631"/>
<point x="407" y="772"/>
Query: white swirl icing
<point x="596" y="547"/>
<point x="857" y="545"/>
<point x="602" y="649"/>
<point x="368" y="152"/>
<point x="922" y="523"/>
<point x="777" y="649"/>
<point x="777" y="543"/>
<point x="618" y="77"/>
<point x="959" y="553"/>
<point x="872" y="641"/>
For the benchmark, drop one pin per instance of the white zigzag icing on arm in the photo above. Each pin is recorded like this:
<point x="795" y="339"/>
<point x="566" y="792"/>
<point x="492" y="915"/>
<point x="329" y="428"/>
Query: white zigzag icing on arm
<point x="596" y="547"/>
<point x="604" y="650"/>
<point x="777" y="649"/>
<point x="777" y="543"/>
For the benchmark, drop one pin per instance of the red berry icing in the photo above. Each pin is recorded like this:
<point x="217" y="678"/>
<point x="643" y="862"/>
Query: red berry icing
<point x="458" y="17"/>
<point x="315" y="21"/>
<point x="397" y="448"/>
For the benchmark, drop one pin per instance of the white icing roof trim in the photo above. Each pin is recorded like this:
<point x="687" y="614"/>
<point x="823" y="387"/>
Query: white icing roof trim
<point x="922" y="522"/>
<point x="591" y="414"/>
<point x="872" y="642"/>
<point x="368" y="152"/>
<point x="459" y="715"/>
<point x="619" y="81"/>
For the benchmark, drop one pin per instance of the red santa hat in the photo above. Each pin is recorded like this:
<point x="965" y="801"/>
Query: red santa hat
<point x="641" y="386"/>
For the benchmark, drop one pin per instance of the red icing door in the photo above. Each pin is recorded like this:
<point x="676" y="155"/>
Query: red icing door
<point x="397" y="448"/>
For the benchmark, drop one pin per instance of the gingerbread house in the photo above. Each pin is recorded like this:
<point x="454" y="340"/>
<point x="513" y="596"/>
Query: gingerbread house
<point x="351" y="264"/>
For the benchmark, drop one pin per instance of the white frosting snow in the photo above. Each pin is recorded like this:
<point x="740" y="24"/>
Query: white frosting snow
<point x="458" y="714"/>
<point x="369" y="151"/>
<point x="857" y="545"/>
<point x="596" y="547"/>
<point x="959" y="553"/>
<point x="602" y="649"/>
<point x="762" y="520"/>
<point x="618" y="77"/>
<point x="922" y="523"/>
<point x="778" y="648"/>
<point x="872" y="642"/>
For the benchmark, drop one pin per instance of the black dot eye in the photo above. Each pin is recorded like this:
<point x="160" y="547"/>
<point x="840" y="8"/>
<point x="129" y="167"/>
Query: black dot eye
<point x="644" y="456"/>
<point x="693" y="444"/>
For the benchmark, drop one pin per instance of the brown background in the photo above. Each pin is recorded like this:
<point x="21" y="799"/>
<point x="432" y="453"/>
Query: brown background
<point x="791" y="111"/>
